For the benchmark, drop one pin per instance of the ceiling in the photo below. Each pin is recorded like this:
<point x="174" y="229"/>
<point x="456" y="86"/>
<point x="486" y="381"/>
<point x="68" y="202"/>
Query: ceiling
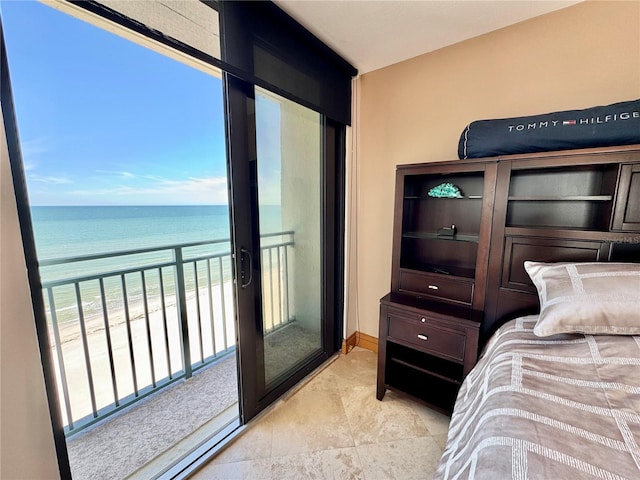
<point x="372" y="34"/>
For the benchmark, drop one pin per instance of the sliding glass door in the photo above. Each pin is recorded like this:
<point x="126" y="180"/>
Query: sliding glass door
<point x="278" y="186"/>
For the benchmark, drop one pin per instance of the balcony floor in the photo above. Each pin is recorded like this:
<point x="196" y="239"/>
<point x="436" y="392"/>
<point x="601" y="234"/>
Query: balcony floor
<point x="180" y="414"/>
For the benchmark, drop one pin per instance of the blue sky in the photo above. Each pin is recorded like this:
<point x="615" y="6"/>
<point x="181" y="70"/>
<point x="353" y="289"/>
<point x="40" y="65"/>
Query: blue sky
<point x="103" y="121"/>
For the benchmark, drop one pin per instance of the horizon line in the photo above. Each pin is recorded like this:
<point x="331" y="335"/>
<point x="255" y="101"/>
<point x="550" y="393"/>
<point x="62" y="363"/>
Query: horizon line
<point x="141" y="205"/>
<point x="159" y="205"/>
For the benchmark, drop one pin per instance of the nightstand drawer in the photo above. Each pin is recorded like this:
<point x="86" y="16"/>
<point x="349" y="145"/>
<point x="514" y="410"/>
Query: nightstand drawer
<point x="428" y="337"/>
<point x="438" y="286"/>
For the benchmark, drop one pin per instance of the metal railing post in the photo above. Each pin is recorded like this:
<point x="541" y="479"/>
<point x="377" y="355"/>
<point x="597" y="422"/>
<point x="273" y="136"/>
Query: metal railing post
<point x="181" y="299"/>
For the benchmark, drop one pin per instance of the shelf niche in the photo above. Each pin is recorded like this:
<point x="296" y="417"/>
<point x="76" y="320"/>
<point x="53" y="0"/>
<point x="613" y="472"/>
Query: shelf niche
<point x="578" y="197"/>
<point x="439" y="256"/>
<point x="422" y="249"/>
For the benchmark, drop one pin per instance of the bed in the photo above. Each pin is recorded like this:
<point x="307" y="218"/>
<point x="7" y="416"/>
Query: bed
<point x="556" y="395"/>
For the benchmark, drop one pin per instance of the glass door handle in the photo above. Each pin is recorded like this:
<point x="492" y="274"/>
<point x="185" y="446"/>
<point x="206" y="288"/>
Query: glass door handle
<point x="243" y="252"/>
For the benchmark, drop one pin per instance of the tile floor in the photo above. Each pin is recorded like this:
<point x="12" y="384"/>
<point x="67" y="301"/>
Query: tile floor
<point x="334" y="428"/>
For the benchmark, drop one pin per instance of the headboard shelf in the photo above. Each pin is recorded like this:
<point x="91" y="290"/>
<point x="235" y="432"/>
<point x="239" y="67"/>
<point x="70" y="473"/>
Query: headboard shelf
<point x="568" y="233"/>
<point x="563" y="198"/>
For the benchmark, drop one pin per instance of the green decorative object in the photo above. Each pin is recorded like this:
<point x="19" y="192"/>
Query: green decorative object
<point x="445" y="190"/>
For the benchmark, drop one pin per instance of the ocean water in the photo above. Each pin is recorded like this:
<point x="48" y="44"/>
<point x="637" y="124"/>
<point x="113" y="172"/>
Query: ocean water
<point x="74" y="231"/>
<point x="84" y="230"/>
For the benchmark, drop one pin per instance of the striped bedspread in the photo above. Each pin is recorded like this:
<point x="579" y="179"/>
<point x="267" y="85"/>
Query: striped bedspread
<point x="562" y="407"/>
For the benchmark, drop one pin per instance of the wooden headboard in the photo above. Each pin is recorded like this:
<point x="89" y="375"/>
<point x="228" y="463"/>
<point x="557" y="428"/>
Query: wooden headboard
<point x="571" y="206"/>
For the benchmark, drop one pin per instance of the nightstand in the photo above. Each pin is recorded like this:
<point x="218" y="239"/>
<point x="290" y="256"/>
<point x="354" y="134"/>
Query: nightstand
<point x="425" y="348"/>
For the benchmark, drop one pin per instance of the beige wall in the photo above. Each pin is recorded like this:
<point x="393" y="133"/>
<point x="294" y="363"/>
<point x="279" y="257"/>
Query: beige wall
<point x="27" y="450"/>
<point x="414" y="111"/>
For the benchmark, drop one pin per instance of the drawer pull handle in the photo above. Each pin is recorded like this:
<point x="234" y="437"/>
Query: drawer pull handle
<point x="433" y="287"/>
<point x="423" y="320"/>
<point x="423" y="337"/>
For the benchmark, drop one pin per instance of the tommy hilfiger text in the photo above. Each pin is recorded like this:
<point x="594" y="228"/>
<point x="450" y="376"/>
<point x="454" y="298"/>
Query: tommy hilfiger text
<point x="581" y="121"/>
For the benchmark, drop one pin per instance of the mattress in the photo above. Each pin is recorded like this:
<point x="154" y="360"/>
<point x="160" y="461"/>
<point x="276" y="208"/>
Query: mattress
<point x="562" y="407"/>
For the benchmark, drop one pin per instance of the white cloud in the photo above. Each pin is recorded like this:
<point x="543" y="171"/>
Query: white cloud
<point x="34" y="147"/>
<point x="122" y="174"/>
<point x="50" y="179"/>
<point x="190" y="191"/>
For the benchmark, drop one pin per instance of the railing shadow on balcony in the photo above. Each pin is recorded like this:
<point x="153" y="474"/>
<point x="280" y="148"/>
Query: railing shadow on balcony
<point x="126" y="324"/>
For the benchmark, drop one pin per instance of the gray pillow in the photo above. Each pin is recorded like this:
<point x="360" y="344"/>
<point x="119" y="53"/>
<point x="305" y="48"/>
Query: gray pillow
<point x="590" y="298"/>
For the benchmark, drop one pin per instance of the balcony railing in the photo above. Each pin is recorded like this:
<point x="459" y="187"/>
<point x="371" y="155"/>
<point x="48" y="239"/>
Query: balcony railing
<point x="128" y="323"/>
